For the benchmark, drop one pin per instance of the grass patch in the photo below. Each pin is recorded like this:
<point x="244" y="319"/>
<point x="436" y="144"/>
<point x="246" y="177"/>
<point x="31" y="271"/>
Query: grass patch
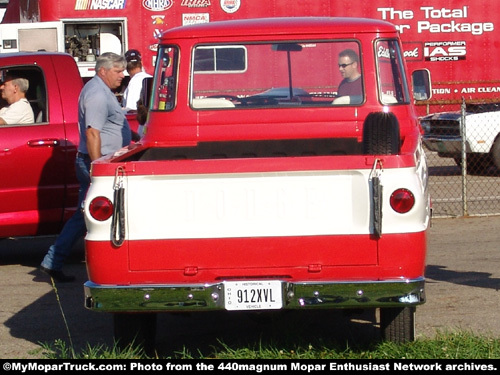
<point x="446" y="345"/>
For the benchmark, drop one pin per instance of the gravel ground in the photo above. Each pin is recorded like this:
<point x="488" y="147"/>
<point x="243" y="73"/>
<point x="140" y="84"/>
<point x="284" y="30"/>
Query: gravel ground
<point x="463" y="282"/>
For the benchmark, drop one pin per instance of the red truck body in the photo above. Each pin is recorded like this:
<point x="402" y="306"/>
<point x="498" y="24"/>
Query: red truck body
<point x="253" y="176"/>
<point x="39" y="190"/>
<point x="454" y="39"/>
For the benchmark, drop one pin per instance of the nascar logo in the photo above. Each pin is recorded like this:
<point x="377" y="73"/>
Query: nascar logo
<point x="100" y="4"/>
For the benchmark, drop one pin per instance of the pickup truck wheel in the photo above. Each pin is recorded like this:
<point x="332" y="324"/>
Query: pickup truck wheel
<point x="398" y="324"/>
<point x="137" y="330"/>
<point x="381" y="134"/>
<point x="476" y="163"/>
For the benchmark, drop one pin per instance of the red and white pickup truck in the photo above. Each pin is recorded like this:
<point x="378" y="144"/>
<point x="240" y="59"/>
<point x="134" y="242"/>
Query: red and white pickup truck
<point x="257" y="188"/>
<point x="38" y="188"/>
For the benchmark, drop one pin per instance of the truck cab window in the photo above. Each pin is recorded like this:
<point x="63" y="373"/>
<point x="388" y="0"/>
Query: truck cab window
<point x="36" y="94"/>
<point x="214" y="59"/>
<point x="276" y="75"/>
<point x="165" y="81"/>
<point x="392" y="84"/>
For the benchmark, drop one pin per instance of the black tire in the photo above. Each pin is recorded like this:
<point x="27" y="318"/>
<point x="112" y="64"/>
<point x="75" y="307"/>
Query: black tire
<point x="137" y="330"/>
<point x="381" y="135"/>
<point x="476" y="163"/>
<point x="397" y="324"/>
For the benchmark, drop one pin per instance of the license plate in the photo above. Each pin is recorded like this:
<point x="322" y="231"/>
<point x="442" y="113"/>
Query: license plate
<point x="252" y="295"/>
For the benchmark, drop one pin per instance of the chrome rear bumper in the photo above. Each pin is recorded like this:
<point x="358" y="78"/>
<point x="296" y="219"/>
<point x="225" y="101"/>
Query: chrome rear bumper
<point x="204" y="297"/>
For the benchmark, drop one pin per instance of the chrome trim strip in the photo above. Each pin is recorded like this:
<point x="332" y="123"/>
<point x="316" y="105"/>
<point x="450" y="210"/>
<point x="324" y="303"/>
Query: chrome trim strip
<point x="298" y="295"/>
<point x="452" y="144"/>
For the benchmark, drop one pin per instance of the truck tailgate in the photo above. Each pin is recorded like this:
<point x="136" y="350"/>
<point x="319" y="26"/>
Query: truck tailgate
<point x="212" y="220"/>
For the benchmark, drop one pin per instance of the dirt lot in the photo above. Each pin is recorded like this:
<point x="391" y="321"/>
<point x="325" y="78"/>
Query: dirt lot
<point x="463" y="282"/>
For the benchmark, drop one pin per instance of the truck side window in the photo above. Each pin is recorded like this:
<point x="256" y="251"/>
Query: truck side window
<point x="392" y="83"/>
<point x="165" y="81"/>
<point x="37" y="93"/>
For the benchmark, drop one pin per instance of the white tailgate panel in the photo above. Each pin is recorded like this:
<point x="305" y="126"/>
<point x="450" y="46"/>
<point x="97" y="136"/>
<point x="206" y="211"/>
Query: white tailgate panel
<point x="247" y="205"/>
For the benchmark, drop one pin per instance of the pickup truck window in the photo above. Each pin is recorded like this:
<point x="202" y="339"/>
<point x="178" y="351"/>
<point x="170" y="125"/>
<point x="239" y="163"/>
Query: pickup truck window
<point x="272" y="74"/>
<point x="303" y="74"/>
<point x="216" y="59"/>
<point x="392" y="83"/>
<point x="166" y="79"/>
<point x="36" y="95"/>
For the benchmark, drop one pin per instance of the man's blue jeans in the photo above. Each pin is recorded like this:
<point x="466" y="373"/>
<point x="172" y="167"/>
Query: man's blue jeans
<point x="75" y="228"/>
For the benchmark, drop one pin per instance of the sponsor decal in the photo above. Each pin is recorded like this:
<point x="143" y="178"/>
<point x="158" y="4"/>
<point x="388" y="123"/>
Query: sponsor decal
<point x="157" y="5"/>
<point x="195" y="3"/>
<point x="428" y="19"/>
<point x="157" y="33"/>
<point x="413" y="51"/>
<point x="230" y="6"/>
<point x="158" y="19"/>
<point x="100" y="4"/>
<point x="192" y="18"/>
<point x="445" y="51"/>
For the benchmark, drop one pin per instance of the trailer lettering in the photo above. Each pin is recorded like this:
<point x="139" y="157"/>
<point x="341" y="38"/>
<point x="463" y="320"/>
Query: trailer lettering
<point x="488" y="89"/>
<point x="431" y="12"/>
<point x="455" y="27"/>
<point x="157" y="5"/>
<point x="195" y="3"/>
<point x="99" y="4"/>
<point x="441" y="91"/>
<point x="107" y="4"/>
<point x="192" y="18"/>
<point x="392" y="14"/>
<point x="448" y="51"/>
<point x="412" y="53"/>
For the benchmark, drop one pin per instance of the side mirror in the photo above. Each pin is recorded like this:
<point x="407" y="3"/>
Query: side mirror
<point x="421" y="84"/>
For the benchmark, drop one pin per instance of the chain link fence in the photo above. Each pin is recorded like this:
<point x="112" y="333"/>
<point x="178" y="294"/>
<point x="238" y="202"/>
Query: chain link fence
<point x="462" y="143"/>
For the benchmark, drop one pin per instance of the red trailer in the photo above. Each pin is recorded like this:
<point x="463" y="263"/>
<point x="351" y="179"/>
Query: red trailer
<point x="453" y="39"/>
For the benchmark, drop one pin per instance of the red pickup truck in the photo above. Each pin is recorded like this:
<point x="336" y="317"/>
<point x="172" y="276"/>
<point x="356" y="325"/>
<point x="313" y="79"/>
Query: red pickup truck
<point x="38" y="188"/>
<point x="257" y="187"/>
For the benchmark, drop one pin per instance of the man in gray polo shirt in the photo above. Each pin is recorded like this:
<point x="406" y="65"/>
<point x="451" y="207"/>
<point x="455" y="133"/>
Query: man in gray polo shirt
<point x="103" y="130"/>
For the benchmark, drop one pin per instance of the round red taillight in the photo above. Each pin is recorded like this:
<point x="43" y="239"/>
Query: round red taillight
<point x="402" y="200"/>
<point x="101" y="208"/>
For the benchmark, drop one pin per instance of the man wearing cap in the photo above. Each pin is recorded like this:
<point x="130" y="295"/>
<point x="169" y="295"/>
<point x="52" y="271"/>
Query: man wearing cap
<point x="19" y="110"/>
<point x="137" y="74"/>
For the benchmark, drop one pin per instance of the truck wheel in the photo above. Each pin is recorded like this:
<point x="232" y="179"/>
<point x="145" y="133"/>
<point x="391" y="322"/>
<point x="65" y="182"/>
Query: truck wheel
<point x="476" y="163"/>
<point x="495" y="153"/>
<point x="397" y="324"/>
<point x="381" y="134"/>
<point x="137" y="330"/>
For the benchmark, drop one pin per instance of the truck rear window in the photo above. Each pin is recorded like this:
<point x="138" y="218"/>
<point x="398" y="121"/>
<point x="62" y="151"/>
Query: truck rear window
<point x="274" y="74"/>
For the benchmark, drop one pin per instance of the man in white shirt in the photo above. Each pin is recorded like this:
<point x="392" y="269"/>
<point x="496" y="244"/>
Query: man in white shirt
<point x="137" y="74"/>
<point x="19" y="110"/>
<point x="132" y="93"/>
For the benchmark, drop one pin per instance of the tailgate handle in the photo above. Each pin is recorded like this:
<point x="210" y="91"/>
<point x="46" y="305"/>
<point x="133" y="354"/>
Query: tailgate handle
<point x="377" y="197"/>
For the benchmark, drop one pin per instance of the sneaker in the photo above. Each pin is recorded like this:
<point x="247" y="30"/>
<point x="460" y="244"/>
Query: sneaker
<point x="57" y="275"/>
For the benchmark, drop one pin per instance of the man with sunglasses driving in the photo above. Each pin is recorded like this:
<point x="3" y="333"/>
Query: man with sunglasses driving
<point x="351" y="84"/>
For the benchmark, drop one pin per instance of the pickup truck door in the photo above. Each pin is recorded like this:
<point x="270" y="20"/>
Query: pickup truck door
<point x="37" y="173"/>
<point x="33" y="169"/>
